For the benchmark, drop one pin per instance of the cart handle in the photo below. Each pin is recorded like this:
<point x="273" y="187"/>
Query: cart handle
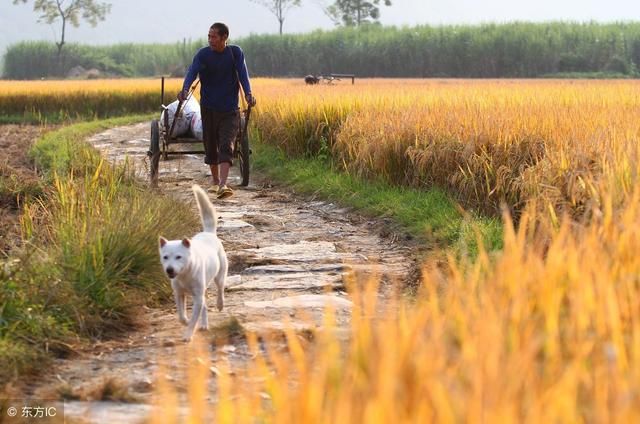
<point x="246" y="120"/>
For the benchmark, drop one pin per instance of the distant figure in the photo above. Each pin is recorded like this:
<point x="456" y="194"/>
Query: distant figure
<point x="311" y="79"/>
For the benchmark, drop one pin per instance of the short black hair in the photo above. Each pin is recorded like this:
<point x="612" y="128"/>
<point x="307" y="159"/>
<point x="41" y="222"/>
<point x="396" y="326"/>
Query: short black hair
<point x="221" y="29"/>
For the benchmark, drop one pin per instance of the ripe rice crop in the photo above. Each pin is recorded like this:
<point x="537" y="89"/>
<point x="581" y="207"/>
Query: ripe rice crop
<point x="562" y="143"/>
<point x="84" y="99"/>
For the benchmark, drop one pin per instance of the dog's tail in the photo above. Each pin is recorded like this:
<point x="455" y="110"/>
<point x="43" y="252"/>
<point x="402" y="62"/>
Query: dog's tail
<point x="207" y="210"/>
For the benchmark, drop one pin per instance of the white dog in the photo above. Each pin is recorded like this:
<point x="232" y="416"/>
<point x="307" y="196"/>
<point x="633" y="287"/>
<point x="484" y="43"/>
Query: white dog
<point x="193" y="263"/>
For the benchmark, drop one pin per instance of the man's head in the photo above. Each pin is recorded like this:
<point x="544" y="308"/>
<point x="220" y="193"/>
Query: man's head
<point x="218" y="35"/>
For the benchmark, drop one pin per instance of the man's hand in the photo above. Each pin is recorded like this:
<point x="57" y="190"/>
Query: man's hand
<point x="181" y="96"/>
<point x="251" y="101"/>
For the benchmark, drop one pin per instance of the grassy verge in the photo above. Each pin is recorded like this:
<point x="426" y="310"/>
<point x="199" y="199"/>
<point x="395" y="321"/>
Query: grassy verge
<point x="39" y="118"/>
<point x="90" y="252"/>
<point x="63" y="152"/>
<point x="430" y="216"/>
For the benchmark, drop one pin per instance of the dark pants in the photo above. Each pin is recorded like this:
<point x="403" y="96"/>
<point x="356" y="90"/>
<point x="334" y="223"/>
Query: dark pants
<point x="219" y="131"/>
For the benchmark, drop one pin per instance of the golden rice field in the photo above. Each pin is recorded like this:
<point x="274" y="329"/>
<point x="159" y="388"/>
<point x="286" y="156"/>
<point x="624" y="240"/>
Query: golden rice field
<point x="81" y="99"/>
<point x="72" y="88"/>
<point x="563" y="143"/>
<point x="547" y="330"/>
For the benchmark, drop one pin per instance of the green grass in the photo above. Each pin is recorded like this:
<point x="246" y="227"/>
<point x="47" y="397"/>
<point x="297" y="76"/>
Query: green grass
<point x="430" y="216"/>
<point x="34" y="116"/>
<point x="62" y="151"/>
<point x="37" y="118"/>
<point x="22" y="119"/>
<point x="90" y="255"/>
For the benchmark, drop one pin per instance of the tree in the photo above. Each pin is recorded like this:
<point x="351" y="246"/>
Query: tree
<point x="71" y="11"/>
<point x="355" y="12"/>
<point x="279" y="8"/>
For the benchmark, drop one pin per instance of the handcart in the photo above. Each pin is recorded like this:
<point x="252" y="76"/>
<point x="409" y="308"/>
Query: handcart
<point x="161" y="139"/>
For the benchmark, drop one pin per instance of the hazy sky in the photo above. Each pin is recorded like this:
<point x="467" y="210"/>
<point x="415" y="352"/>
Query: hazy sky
<point x="169" y="21"/>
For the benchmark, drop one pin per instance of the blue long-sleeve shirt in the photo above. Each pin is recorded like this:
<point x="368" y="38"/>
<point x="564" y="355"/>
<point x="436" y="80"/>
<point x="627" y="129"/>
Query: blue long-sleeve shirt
<point x="218" y="80"/>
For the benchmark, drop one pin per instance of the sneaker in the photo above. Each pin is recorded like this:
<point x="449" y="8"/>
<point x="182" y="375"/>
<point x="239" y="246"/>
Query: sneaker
<point x="214" y="189"/>
<point x="224" y="192"/>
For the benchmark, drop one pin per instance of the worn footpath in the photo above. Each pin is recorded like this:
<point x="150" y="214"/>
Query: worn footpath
<point x="289" y="259"/>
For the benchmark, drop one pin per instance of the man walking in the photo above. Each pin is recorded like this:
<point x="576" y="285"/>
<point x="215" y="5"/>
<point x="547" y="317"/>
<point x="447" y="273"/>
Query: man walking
<point x="221" y="69"/>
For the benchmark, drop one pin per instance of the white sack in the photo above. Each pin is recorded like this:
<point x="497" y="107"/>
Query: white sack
<point x="196" y="125"/>
<point x="183" y="122"/>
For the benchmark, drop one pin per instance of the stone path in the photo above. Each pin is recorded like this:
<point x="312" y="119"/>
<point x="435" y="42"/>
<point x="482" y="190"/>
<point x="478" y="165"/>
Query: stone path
<point x="289" y="259"/>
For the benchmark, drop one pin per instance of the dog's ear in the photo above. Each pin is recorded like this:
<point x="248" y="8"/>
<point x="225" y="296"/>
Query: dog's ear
<point x="162" y="241"/>
<point x="186" y="243"/>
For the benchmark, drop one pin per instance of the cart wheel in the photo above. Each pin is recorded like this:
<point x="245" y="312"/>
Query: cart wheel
<point x="243" y="158"/>
<point x="154" y="152"/>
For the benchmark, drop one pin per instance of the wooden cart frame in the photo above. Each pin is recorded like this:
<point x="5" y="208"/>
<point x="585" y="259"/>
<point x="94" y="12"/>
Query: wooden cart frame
<point x="161" y="139"/>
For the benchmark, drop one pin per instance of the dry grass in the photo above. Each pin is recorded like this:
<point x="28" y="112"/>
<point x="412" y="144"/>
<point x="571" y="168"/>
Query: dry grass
<point x="106" y="389"/>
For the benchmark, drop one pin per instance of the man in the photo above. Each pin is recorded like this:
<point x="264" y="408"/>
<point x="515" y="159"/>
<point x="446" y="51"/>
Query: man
<point x="219" y="67"/>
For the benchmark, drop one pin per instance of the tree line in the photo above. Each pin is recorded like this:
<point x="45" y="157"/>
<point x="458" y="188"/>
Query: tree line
<point x="512" y="50"/>
<point x="474" y="51"/>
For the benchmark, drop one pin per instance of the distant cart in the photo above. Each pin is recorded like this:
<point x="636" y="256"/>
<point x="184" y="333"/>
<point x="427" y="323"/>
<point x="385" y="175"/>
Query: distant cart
<point x="329" y="79"/>
<point x="161" y="139"/>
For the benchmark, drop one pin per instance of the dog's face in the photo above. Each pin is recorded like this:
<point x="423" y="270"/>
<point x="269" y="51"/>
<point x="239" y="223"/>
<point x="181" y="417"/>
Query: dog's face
<point x="174" y="255"/>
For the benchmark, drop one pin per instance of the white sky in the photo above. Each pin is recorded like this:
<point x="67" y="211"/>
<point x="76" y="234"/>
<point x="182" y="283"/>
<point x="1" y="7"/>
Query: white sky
<point x="167" y="21"/>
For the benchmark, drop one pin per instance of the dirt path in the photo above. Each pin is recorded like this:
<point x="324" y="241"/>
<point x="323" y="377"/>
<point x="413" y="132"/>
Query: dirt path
<point x="289" y="258"/>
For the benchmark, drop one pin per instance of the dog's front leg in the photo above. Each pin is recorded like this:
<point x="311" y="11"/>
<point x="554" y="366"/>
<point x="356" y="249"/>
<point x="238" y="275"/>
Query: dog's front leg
<point x="198" y="303"/>
<point x="179" y="295"/>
